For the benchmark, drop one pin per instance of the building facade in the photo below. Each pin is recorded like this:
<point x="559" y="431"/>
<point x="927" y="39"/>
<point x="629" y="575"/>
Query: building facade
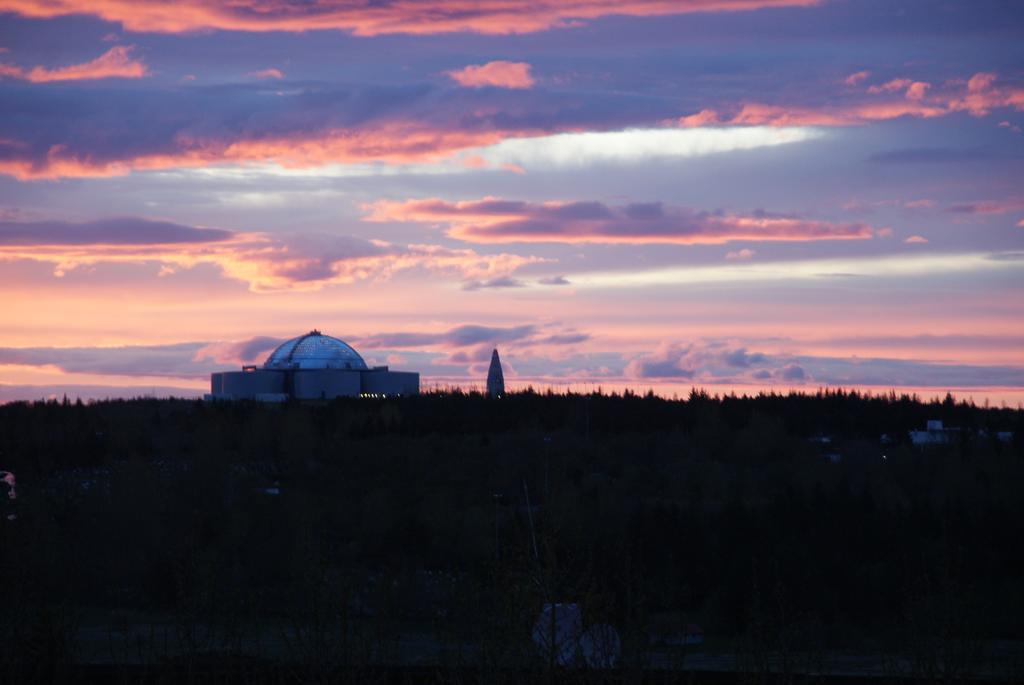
<point x="312" y="367"/>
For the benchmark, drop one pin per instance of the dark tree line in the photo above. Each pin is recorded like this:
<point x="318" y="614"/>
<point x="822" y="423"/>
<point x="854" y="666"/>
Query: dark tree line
<point x="336" y="525"/>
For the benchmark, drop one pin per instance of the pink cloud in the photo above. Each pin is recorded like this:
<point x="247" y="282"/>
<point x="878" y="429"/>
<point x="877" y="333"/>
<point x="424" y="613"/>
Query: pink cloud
<point x="856" y="78"/>
<point x="920" y="99"/>
<point x="267" y="73"/>
<point x="916" y="240"/>
<point x="493" y="220"/>
<point x="373" y="18"/>
<point x="114" y="63"/>
<point x="740" y="255"/>
<point x="895" y="85"/>
<point x="981" y="82"/>
<point x="917" y="90"/>
<point x="757" y="114"/>
<point x="983" y="95"/>
<point x="500" y="74"/>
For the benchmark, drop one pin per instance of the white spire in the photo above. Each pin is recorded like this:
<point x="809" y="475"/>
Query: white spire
<point x="495" y="378"/>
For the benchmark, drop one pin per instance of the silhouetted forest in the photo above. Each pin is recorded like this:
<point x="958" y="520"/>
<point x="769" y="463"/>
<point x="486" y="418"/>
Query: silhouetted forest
<point x="358" y="533"/>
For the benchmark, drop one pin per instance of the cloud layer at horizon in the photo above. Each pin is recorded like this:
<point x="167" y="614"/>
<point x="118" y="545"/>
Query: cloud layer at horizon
<point x="464" y="351"/>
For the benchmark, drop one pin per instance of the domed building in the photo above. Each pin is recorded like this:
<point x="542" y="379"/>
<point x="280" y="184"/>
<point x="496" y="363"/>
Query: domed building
<point x="313" y="366"/>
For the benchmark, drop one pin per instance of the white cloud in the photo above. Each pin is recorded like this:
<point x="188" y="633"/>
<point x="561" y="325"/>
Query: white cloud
<point x="812" y="269"/>
<point x="636" y="145"/>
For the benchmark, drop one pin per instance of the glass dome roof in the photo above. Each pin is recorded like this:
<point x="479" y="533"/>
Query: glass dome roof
<point x="314" y="351"/>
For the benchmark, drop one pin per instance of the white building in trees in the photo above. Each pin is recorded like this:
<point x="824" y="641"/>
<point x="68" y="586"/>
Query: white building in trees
<point x="312" y="367"/>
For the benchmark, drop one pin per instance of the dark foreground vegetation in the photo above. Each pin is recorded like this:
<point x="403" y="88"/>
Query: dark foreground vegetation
<point x="419" y="539"/>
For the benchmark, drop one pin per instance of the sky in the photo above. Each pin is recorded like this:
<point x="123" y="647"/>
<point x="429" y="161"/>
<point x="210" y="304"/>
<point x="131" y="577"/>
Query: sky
<point x="739" y="195"/>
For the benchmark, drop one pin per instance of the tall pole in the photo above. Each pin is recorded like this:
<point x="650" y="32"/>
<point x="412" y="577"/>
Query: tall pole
<point x="529" y="514"/>
<point x="586" y="405"/>
<point x="547" y="468"/>
<point x="497" y="544"/>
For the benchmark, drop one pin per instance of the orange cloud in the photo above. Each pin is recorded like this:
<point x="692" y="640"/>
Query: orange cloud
<point x="371" y="18"/>
<point x="493" y="220"/>
<point x="267" y="73"/>
<point x="114" y="63"/>
<point x="919" y="99"/>
<point x="500" y="74"/>
<point x="705" y="117"/>
<point x="264" y="262"/>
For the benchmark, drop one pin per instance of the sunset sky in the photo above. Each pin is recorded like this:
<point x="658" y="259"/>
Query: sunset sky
<point x="729" y="194"/>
